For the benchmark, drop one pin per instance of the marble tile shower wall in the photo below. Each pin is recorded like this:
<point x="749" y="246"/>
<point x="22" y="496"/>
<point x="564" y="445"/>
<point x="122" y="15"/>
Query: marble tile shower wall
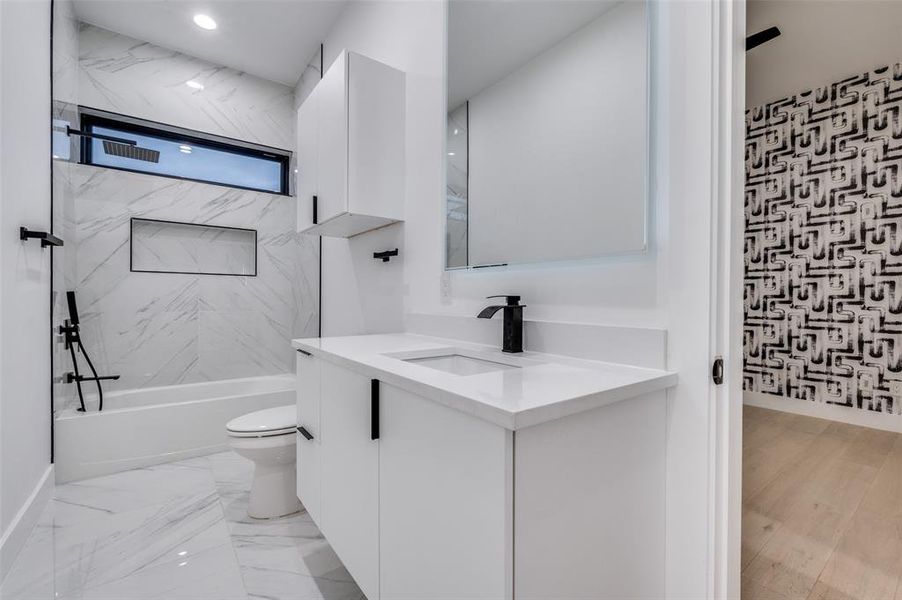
<point x="158" y="329"/>
<point x="129" y="76"/>
<point x="167" y="329"/>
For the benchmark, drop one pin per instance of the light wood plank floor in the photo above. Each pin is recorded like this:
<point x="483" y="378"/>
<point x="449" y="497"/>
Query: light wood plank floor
<point x="822" y="509"/>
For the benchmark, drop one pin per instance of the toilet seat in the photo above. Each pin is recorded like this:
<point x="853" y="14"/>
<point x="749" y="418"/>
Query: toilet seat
<point x="270" y="422"/>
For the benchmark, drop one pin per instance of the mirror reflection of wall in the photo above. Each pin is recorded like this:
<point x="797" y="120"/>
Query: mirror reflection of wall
<point x="456" y="230"/>
<point x="549" y="158"/>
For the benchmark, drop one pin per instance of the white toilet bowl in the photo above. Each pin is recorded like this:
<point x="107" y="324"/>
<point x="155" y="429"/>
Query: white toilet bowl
<point x="267" y="437"/>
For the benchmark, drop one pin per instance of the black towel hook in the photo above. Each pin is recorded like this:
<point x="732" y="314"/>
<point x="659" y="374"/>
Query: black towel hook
<point x="386" y="255"/>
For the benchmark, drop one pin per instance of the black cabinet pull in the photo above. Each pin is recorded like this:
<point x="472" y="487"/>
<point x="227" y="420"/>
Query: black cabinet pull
<point x="374" y="409"/>
<point x="305" y="433"/>
<point x="314" y="209"/>
<point x="304" y="352"/>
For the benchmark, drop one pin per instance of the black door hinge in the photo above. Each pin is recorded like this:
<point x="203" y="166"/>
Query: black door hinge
<point x="717" y="370"/>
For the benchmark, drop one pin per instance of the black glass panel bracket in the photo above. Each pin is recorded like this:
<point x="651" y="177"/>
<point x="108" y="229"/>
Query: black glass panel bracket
<point x="178" y="247"/>
<point x="47" y="239"/>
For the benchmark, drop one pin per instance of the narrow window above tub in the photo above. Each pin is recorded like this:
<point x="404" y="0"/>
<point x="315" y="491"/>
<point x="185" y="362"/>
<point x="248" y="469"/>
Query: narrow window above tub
<point x="131" y="144"/>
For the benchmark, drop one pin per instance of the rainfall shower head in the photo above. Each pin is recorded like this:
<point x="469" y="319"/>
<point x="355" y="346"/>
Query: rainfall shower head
<point x="133" y="151"/>
<point x="116" y="146"/>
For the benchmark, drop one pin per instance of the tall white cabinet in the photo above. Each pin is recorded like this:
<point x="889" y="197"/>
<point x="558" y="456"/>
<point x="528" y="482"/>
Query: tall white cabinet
<point x="420" y="500"/>
<point x="350" y="149"/>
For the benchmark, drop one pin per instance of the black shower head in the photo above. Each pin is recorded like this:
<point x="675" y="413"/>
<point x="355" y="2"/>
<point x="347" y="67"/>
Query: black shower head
<point x="116" y="146"/>
<point x="133" y="151"/>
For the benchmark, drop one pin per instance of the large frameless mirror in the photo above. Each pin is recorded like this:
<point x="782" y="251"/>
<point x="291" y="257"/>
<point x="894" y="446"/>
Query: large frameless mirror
<point x="547" y="140"/>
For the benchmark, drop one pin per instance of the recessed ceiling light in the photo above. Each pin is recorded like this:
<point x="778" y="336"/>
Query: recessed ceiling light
<point x="450" y="154"/>
<point x="196" y="85"/>
<point x="185" y="149"/>
<point x="204" y="21"/>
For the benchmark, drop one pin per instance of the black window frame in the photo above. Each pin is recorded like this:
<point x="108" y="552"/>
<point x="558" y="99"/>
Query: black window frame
<point x="170" y="133"/>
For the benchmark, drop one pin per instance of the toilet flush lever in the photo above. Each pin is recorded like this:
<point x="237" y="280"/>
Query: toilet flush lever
<point x="305" y="433"/>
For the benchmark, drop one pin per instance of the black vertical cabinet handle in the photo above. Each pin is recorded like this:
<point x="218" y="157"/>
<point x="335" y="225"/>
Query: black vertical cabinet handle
<point x="374" y="409"/>
<point x="305" y="433"/>
<point x="315" y="199"/>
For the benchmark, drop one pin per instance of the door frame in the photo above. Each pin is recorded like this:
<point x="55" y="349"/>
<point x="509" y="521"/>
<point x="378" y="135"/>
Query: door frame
<point x="727" y="291"/>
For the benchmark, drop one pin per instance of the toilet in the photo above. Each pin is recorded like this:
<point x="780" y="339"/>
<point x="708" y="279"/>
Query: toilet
<point x="267" y="437"/>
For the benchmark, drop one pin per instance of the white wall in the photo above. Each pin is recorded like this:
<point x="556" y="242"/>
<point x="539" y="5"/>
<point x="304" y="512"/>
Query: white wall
<point x="558" y="149"/>
<point x="361" y="294"/>
<point x="667" y="286"/>
<point x="409" y="36"/>
<point x="24" y="268"/>
<point x="823" y="41"/>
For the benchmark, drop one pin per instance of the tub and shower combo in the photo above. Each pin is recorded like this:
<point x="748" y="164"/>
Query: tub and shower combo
<point x="149" y="426"/>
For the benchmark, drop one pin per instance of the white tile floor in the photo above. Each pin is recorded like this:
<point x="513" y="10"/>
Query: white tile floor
<point x="177" y="531"/>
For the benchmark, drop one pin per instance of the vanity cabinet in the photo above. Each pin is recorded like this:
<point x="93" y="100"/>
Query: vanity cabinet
<point x="350" y="149"/>
<point x="338" y="466"/>
<point x="350" y="475"/>
<point x="308" y="452"/>
<point x="445" y="499"/>
<point x="444" y="504"/>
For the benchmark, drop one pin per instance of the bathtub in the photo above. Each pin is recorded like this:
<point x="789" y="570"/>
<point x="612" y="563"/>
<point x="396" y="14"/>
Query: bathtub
<point x="150" y="426"/>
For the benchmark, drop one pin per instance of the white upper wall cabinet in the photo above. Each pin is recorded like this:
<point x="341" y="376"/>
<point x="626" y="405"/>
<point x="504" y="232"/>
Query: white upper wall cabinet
<point x="350" y="149"/>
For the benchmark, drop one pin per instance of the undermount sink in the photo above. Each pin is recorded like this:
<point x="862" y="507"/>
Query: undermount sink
<point x="458" y="364"/>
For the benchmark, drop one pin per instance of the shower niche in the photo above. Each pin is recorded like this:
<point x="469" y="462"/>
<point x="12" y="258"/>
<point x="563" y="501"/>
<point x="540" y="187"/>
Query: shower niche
<point x="158" y="246"/>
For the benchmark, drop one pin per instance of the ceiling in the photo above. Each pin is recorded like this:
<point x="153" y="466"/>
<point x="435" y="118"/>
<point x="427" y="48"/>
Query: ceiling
<point x="822" y="41"/>
<point x="488" y="39"/>
<point x="272" y="39"/>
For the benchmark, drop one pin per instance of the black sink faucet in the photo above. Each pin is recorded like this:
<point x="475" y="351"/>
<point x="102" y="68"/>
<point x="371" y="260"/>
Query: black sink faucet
<point x="513" y="322"/>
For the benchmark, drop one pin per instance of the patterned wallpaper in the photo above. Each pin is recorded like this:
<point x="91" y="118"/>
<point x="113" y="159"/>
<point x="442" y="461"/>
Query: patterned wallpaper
<point x="823" y="244"/>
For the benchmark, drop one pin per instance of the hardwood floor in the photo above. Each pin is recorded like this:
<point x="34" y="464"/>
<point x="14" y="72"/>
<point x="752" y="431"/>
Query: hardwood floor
<point x="822" y="509"/>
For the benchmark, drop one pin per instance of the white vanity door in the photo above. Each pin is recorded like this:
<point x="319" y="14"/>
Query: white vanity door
<point x="332" y="140"/>
<point x="445" y="500"/>
<point x="308" y="451"/>
<point x="350" y="475"/>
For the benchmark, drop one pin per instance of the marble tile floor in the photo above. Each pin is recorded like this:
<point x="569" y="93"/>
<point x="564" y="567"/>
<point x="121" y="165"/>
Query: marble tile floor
<point x="178" y="531"/>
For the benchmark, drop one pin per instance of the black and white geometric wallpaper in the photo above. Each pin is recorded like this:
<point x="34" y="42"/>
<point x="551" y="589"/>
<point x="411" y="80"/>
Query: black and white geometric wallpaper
<point x="823" y="244"/>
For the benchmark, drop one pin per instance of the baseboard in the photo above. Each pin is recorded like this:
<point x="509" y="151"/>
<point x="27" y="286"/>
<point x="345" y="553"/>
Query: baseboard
<point x="23" y="523"/>
<point x="821" y="410"/>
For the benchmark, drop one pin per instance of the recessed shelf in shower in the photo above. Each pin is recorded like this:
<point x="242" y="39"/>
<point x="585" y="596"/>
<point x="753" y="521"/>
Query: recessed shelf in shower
<point x="158" y="246"/>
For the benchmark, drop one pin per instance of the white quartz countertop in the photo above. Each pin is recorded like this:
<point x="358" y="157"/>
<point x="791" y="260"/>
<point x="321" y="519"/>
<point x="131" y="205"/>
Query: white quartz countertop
<point x="544" y="387"/>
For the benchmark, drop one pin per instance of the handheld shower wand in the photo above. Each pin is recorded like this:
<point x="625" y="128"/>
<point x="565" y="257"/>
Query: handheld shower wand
<point x="71" y="329"/>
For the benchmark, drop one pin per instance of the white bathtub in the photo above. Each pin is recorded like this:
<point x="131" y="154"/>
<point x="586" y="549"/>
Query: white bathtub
<point x="156" y="425"/>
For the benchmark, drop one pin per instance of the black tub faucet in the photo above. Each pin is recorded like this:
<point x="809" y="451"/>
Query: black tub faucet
<point x="513" y="322"/>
